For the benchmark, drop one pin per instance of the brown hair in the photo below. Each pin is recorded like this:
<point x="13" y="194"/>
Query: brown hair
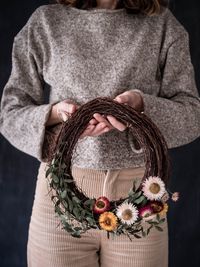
<point x="148" y="7"/>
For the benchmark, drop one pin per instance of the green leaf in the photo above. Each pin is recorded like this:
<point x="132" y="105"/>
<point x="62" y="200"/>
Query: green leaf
<point x="90" y="220"/>
<point x="144" y="234"/>
<point x="108" y="235"/>
<point x="63" y="166"/>
<point x="131" y="193"/>
<point x="144" y="202"/>
<point x="68" y="180"/>
<point x="76" y="212"/>
<point x="139" y="200"/>
<point x="55" y="178"/>
<point x="48" y="171"/>
<point x="134" y="185"/>
<point x="148" y="230"/>
<point x="63" y="194"/>
<point x="158" y="228"/>
<point x="138" y="194"/>
<point x="76" y="199"/>
<point x="162" y="220"/>
<point x="70" y="203"/>
<point x="76" y="234"/>
<point x="82" y="213"/>
<point x="90" y="203"/>
<point x="137" y="236"/>
<point x="158" y="216"/>
<point x="77" y="228"/>
<point x="152" y="222"/>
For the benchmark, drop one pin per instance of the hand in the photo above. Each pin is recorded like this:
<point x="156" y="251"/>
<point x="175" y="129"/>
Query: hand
<point x="101" y="124"/>
<point x="61" y="111"/>
<point x="131" y="98"/>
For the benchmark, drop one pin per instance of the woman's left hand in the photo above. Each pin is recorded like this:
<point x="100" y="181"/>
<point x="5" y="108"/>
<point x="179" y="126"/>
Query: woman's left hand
<point x="131" y="98"/>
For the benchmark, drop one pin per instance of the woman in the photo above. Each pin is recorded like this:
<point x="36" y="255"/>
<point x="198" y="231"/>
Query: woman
<point x="133" y="51"/>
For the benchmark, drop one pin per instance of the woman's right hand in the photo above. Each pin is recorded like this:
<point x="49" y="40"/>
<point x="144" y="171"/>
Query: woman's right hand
<point x="61" y="111"/>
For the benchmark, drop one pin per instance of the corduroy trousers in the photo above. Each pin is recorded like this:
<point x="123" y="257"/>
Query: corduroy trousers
<point x="51" y="246"/>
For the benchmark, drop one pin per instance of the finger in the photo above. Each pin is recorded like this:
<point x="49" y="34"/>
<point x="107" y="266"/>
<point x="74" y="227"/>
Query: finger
<point x="93" y="121"/>
<point x="123" y="98"/>
<point x="115" y="123"/>
<point x="87" y="131"/>
<point x="69" y="101"/>
<point x="67" y="107"/>
<point x="64" y="115"/>
<point x="100" y="118"/>
<point x="100" y="128"/>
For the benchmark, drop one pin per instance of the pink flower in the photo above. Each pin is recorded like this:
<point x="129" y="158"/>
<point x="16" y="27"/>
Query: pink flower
<point x="175" y="196"/>
<point x="145" y="211"/>
<point x="101" y="205"/>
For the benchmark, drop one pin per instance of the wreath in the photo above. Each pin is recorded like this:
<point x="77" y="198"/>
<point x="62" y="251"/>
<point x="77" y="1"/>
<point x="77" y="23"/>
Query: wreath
<point x="148" y="202"/>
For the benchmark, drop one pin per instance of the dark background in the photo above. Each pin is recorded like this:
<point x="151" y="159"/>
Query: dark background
<point x="18" y="171"/>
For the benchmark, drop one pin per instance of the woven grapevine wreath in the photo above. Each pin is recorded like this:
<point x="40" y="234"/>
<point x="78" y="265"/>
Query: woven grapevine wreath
<point x="148" y="202"/>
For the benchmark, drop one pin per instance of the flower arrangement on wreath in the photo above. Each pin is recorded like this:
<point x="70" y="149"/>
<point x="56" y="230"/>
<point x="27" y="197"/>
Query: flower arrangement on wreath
<point x="148" y="202"/>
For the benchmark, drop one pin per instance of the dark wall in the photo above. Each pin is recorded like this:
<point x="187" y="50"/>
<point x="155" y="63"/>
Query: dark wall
<point x="18" y="171"/>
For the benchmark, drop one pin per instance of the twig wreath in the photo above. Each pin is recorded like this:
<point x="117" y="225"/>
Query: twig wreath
<point x="148" y="202"/>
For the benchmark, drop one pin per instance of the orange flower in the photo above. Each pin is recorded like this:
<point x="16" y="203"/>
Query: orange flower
<point x="108" y="221"/>
<point x="164" y="210"/>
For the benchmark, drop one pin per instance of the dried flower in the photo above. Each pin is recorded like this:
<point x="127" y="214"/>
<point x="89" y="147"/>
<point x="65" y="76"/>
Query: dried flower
<point x="175" y="196"/>
<point x="164" y="210"/>
<point x="145" y="211"/>
<point x="156" y="206"/>
<point x="108" y="221"/>
<point x="101" y="205"/>
<point x="127" y="213"/>
<point x="153" y="188"/>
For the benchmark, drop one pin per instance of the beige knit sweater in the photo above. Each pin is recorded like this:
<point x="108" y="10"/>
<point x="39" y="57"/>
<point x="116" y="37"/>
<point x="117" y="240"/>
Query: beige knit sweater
<point x="84" y="54"/>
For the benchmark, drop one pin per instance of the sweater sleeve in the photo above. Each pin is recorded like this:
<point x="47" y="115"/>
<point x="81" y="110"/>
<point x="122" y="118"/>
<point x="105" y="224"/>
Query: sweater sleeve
<point x="176" y="110"/>
<point x="23" y="112"/>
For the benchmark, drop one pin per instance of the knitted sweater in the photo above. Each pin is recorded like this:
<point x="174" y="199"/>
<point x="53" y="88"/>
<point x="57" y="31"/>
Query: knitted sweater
<point x="84" y="54"/>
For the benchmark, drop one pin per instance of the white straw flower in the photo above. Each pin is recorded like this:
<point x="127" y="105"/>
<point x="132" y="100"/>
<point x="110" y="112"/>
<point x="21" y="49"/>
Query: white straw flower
<point x="153" y="188"/>
<point x="127" y="213"/>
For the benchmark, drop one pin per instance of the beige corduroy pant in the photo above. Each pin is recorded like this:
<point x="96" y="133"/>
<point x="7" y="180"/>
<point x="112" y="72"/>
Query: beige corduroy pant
<point x="50" y="246"/>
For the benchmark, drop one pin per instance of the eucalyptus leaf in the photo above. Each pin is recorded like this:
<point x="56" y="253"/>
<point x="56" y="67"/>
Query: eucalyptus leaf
<point x="158" y="216"/>
<point x="76" y="212"/>
<point x="68" y="180"/>
<point x="83" y="213"/>
<point x="90" y="220"/>
<point x="162" y="220"/>
<point x="131" y="193"/>
<point x="48" y="172"/>
<point x="158" y="228"/>
<point x="55" y="178"/>
<point x="63" y="166"/>
<point x="63" y="194"/>
<point x="76" y="234"/>
<point x="89" y="202"/>
<point x="137" y="236"/>
<point x="70" y="204"/>
<point x="144" y="234"/>
<point x="77" y="228"/>
<point x="76" y="199"/>
<point x="139" y="200"/>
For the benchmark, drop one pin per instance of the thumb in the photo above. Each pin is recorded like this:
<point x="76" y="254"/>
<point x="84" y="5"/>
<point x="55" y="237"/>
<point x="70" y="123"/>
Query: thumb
<point x="122" y="98"/>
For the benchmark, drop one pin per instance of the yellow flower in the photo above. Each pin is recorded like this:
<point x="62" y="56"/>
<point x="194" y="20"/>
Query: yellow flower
<point x="164" y="210"/>
<point x="108" y="221"/>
